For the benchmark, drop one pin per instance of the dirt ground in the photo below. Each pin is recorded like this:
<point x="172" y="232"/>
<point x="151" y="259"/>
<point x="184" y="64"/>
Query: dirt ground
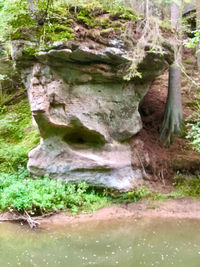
<point x="185" y="208"/>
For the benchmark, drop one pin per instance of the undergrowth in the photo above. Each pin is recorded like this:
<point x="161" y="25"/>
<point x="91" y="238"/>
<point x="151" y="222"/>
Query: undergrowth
<point x="19" y="192"/>
<point x="188" y="185"/>
<point x="17" y="137"/>
<point x="129" y="197"/>
<point x="193" y="124"/>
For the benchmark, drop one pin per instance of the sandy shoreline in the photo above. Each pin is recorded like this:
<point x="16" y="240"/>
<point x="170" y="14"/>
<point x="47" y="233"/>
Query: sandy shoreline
<point x="185" y="208"/>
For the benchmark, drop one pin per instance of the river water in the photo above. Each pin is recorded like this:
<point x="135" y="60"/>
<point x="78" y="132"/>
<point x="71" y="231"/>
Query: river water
<point x="125" y="243"/>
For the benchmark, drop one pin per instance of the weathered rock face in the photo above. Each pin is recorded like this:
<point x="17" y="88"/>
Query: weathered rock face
<point x="86" y="112"/>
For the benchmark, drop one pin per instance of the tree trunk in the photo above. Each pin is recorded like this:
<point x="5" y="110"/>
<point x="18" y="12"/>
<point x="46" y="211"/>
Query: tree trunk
<point x="146" y="9"/>
<point x="198" y="26"/>
<point x="1" y="91"/>
<point x="175" y="16"/>
<point x="172" y="123"/>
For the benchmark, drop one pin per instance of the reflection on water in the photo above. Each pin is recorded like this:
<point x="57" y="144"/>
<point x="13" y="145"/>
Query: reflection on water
<point x="128" y="243"/>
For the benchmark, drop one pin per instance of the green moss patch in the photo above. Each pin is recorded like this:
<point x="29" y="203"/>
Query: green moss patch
<point x="61" y="19"/>
<point x="18" y="136"/>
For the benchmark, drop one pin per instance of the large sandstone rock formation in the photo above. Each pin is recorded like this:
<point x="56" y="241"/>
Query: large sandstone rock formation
<point x="85" y="112"/>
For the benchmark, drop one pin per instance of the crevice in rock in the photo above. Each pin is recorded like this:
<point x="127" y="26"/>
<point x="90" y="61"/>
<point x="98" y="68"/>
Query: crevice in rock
<point x="82" y="137"/>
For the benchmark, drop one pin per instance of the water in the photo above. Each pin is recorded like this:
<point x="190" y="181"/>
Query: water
<point x="128" y="243"/>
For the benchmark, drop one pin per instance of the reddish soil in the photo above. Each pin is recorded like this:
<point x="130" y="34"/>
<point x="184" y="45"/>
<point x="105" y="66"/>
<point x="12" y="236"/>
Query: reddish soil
<point x="185" y="208"/>
<point x="165" y="162"/>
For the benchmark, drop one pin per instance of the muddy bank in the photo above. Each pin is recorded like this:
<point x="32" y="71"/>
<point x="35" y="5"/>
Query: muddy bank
<point x="184" y="208"/>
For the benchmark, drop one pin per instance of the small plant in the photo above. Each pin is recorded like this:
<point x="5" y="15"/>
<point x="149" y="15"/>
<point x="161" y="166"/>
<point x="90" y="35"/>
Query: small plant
<point x="193" y="123"/>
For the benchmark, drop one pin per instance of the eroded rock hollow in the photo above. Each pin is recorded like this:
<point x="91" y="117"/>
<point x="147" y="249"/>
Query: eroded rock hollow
<point x="85" y="111"/>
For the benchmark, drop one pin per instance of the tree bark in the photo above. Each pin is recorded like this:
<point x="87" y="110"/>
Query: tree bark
<point x="146" y="9"/>
<point x="172" y="123"/>
<point x="175" y="16"/>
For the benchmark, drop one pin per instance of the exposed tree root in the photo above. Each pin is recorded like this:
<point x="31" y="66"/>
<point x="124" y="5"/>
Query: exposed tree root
<point x="32" y="223"/>
<point x="15" y="216"/>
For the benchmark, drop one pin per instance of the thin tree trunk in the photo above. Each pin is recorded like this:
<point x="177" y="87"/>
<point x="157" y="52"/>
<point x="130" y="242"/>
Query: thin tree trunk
<point x="175" y="16"/>
<point x="198" y="25"/>
<point x="146" y="9"/>
<point x="1" y="91"/>
<point x="172" y="123"/>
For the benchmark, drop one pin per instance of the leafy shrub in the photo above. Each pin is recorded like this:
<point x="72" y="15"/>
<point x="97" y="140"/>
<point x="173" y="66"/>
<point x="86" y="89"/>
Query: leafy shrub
<point x="194" y="130"/>
<point x="13" y="15"/>
<point x="19" y="192"/>
<point x="194" y="135"/>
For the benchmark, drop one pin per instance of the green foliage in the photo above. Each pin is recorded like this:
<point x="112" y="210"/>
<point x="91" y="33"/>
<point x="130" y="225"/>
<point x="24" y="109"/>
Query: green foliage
<point x="13" y="15"/>
<point x="58" y="32"/>
<point x="162" y="196"/>
<point x="194" y="135"/>
<point x="86" y="17"/>
<point x="134" y="196"/>
<point x="188" y="185"/>
<point x="193" y="123"/>
<point x="3" y="109"/>
<point x="55" y="21"/>
<point x="195" y="40"/>
<point x="17" y="137"/>
<point x="129" y="197"/>
<point x="19" y="192"/>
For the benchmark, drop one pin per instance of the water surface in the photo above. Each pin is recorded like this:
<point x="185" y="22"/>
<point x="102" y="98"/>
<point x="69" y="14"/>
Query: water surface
<point x="129" y="243"/>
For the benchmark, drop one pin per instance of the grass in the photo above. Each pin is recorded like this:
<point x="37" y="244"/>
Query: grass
<point x="187" y="185"/>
